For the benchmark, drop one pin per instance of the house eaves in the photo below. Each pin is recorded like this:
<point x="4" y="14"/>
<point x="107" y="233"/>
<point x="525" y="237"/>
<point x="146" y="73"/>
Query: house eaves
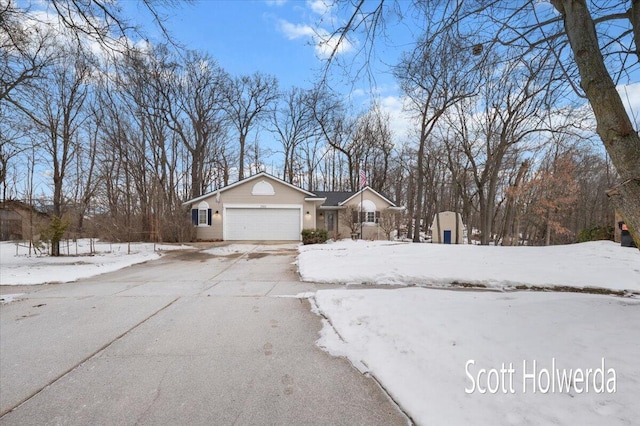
<point x="392" y="204"/>
<point x="243" y="181"/>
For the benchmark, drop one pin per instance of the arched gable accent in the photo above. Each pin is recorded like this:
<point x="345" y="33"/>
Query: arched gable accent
<point x="263" y="188"/>
<point x="367" y="206"/>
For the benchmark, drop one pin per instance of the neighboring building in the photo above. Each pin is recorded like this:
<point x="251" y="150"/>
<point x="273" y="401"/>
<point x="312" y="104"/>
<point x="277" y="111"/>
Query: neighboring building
<point x="447" y="228"/>
<point x="265" y="208"/>
<point x="19" y="221"/>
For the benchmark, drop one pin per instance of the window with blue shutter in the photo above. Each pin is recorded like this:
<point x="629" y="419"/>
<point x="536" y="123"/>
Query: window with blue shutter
<point x="202" y="215"/>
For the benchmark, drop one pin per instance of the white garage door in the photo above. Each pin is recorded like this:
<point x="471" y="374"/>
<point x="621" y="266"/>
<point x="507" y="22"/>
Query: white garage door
<point x="262" y="224"/>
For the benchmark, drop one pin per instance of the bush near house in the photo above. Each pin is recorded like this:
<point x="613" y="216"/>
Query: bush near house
<point x="596" y="233"/>
<point x="314" y="236"/>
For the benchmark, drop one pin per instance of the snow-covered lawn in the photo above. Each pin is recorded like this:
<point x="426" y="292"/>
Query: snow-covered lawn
<point x="419" y="343"/>
<point x="601" y="264"/>
<point x="459" y="356"/>
<point x="18" y="268"/>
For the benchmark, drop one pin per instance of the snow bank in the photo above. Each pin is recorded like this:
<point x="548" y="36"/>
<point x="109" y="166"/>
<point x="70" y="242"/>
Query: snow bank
<point x="601" y="264"/>
<point x="22" y="269"/>
<point x="418" y="342"/>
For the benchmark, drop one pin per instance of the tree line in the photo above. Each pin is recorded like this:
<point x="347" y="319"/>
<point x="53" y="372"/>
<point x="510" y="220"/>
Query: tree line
<point x="125" y="134"/>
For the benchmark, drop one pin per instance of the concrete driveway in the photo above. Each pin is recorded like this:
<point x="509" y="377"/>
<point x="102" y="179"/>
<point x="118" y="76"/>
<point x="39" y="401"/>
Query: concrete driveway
<point x="192" y="338"/>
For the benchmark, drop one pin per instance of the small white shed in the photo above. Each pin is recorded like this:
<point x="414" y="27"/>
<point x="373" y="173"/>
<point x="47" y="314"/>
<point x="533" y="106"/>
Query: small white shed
<point x="447" y="228"/>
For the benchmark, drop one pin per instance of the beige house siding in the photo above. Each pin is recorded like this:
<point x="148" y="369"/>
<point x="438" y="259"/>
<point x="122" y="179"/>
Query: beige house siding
<point x="380" y="203"/>
<point x="370" y="231"/>
<point x="242" y="195"/>
<point x="240" y="204"/>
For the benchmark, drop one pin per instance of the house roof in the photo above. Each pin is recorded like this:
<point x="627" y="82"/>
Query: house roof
<point x="240" y="182"/>
<point x="334" y="198"/>
<point x="15" y="205"/>
<point x="355" y="194"/>
<point x="340" y="198"/>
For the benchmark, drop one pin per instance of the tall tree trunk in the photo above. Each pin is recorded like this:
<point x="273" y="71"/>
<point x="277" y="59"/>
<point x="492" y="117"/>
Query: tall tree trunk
<point x="614" y="127"/>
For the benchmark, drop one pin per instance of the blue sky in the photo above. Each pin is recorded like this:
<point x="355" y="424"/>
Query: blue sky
<point x="279" y="38"/>
<point x="245" y="36"/>
<point x="274" y="37"/>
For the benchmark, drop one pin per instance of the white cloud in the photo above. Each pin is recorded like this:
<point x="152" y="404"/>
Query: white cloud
<point x="399" y="120"/>
<point x="324" y="42"/>
<point x="321" y="7"/>
<point x="295" y="31"/>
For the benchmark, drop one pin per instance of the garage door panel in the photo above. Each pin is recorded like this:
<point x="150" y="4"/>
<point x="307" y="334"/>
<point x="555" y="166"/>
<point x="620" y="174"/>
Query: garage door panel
<point x="262" y="224"/>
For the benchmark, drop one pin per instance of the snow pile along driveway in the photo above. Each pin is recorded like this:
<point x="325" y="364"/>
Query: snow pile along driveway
<point x="601" y="264"/>
<point x="22" y="269"/>
<point x="429" y="348"/>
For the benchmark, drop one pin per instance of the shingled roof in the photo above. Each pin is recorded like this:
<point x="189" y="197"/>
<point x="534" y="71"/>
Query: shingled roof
<point x="334" y="197"/>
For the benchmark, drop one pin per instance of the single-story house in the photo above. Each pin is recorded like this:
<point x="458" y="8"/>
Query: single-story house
<point x="263" y="207"/>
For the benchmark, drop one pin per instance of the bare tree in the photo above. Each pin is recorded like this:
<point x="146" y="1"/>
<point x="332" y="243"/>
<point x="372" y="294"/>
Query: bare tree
<point x="194" y="109"/>
<point x="293" y="124"/>
<point x="249" y="99"/>
<point x="388" y="221"/>
<point x="24" y="49"/>
<point x="59" y="113"/>
<point x="602" y="55"/>
<point x="434" y="77"/>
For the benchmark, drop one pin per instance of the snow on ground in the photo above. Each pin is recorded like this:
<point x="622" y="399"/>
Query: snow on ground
<point x="8" y="298"/>
<point x="419" y="343"/>
<point x="601" y="264"/>
<point x="18" y="268"/>
<point x="230" y="250"/>
<point x="242" y="248"/>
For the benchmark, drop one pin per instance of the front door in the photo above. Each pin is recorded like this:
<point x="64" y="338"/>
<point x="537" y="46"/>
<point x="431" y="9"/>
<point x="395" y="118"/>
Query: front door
<point x="447" y="237"/>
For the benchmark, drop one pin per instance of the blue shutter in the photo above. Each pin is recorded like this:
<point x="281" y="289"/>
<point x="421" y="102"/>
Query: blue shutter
<point x="209" y="217"/>
<point x="194" y="217"/>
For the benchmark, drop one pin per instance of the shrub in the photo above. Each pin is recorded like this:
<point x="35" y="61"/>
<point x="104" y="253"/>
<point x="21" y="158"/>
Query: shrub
<point x="596" y="233"/>
<point x="314" y="236"/>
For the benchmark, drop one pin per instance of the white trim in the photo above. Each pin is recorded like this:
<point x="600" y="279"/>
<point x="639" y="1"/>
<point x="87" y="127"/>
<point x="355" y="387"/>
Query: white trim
<point x="263" y="188"/>
<point x="245" y="180"/>
<point x="203" y="206"/>
<point x="300" y="207"/>
<point x="392" y="204"/>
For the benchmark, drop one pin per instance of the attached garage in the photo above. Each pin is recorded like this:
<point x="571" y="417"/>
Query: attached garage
<point x="258" y="208"/>
<point x="263" y="223"/>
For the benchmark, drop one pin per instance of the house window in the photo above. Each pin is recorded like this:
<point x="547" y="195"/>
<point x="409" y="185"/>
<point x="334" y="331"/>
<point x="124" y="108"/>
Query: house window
<point x="367" y="212"/>
<point x="202" y="217"/>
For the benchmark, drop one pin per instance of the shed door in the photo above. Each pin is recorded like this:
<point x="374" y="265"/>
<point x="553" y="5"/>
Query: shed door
<point x="447" y="236"/>
<point x="262" y="224"/>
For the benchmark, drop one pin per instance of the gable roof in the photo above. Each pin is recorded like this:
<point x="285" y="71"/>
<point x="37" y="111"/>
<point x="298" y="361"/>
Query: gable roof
<point x="391" y="203"/>
<point x="243" y="181"/>
<point x="340" y="198"/>
<point x="334" y="198"/>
